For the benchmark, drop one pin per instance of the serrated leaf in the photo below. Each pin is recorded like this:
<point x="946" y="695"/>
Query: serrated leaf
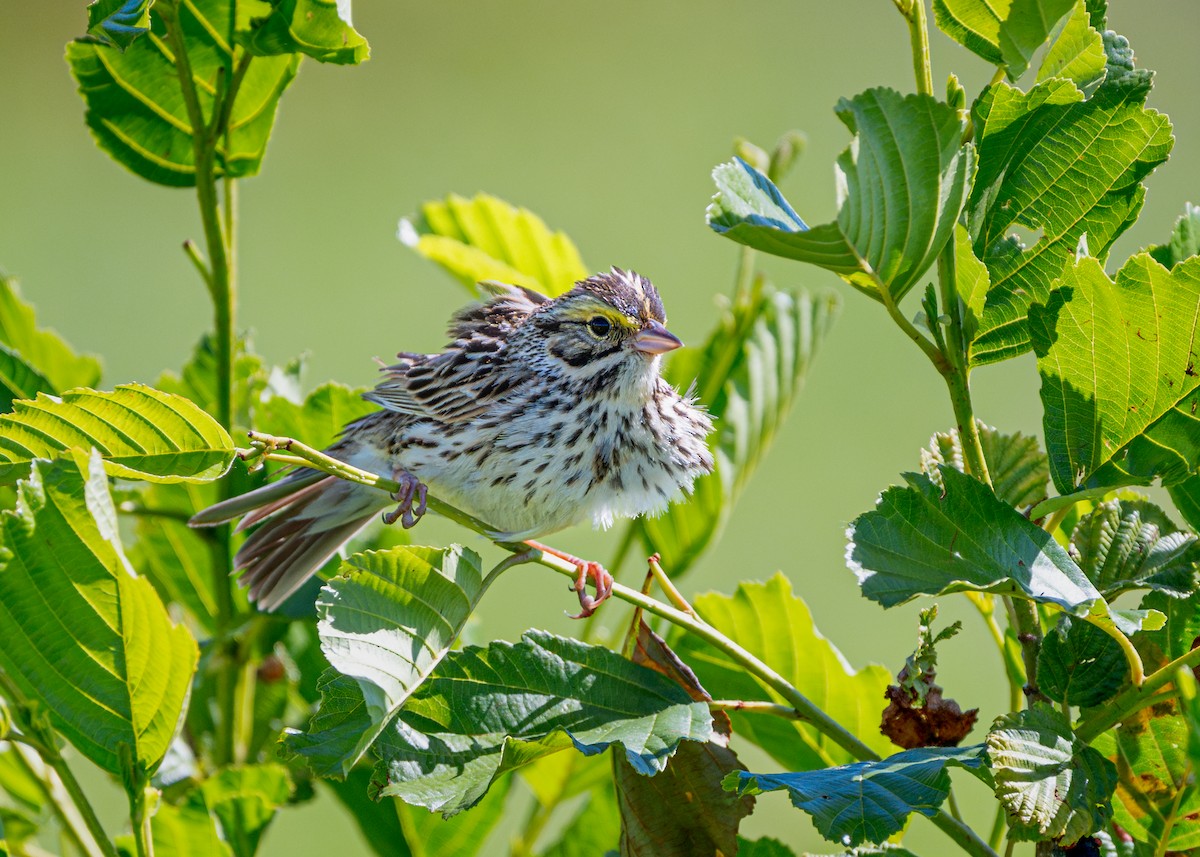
<point x="1052" y="785"/>
<point x="1080" y="664"/>
<point x="1132" y="544"/>
<point x="747" y="374"/>
<point x="1184" y="241"/>
<point x="775" y="625"/>
<point x="140" y="433"/>
<point x="927" y="539"/>
<point x="322" y="29"/>
<point x="83" y="634"/>
<point x="18" y="379"/>
<point x="1120" y="385"/>
<point x="487" y="711"/>
<point x="1077" y="53"/>
<point x="485" y="238"/>
<point x="119" y="22"/>
<point x="319" y="420"/>
<point x="197" y="380"/>
<point x="137" y="113"/>
<point x="1018" y="468"/>
<point x="180" y="831"/>
<point x="243" y="799"/>
<point x="867" y="801"/>
<point x="386" y="622"/>
<point x="44" y="350"/>
<point x="902" y="184"/>
<point x="1004" y="32"/>
<point x="1052" y="162"/>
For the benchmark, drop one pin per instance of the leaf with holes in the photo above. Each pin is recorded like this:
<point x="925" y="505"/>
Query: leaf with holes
<point x="1018" y="468"/>
<point x="902" y="184"/>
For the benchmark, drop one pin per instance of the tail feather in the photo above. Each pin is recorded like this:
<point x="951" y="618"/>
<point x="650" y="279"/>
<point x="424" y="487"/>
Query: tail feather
<point x="235" y="507"/>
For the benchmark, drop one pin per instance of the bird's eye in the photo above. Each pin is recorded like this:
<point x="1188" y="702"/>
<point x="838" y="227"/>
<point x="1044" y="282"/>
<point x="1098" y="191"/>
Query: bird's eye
<point x="599" y="326"/>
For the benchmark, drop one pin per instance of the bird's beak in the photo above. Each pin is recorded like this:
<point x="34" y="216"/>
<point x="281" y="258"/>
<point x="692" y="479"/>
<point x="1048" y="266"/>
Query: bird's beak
<point x="654" y="338"/>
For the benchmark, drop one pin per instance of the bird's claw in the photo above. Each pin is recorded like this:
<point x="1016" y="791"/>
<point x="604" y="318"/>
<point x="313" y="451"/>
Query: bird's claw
<point x="601" y="579"/>
<point x="411" y="489"/>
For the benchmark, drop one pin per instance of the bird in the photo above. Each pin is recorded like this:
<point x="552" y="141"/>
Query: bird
<point x="539" y="414"/>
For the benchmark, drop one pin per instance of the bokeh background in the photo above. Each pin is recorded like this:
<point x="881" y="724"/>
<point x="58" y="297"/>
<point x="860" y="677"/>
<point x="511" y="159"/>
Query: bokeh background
<point x="606" y="119"/>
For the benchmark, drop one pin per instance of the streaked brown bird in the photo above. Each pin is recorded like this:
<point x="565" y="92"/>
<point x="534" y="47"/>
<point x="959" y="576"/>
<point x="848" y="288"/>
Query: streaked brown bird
<point x="538" y="415"/>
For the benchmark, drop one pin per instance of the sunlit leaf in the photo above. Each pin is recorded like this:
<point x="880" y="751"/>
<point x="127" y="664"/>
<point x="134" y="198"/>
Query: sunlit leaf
<point x="320" y="28"/>
<point x="1132" y="544"/>
<point x="485" y="238"/>
<point x="180" y="831"/>
<point x="139" y="432"/>
<point x="867" y="801"/>
<point x="44" y="350"/>
<point x="1184" y="241"/>
<point x="1018" y="468"/>
<point x="901" y="187"/>
<point x="83" y="634"/>
<point x="1080" y="664"/>
<point x="1077" y="53"/>
<point x="119" y="22"/>
<point x="197" y="380"/>
<point x="1003" y="32"/>
<point x="18" y="379"/>
<point x="319" y="420"/>
<point x="1181" y="629"/>
<point x="1120" y="381"/>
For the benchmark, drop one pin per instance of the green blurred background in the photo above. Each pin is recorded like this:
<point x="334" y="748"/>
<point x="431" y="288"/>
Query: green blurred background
<point x="605" y="119"/>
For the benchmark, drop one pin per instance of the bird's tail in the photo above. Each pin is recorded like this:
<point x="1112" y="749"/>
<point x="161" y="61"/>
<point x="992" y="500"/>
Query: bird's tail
<point x="303" y="519"/>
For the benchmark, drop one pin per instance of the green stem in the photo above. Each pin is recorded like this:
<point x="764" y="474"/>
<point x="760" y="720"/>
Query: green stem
<point x="1029" y="634"/>
<point x="1137" y="671"/>
<point x="1133" y="698"/>
<point x="918" y="35"/>
<point x="1013" y="668"/>
<point x="999" y="825"/>
<point x="73" y="825"/>
<point x="936" y="357"/>
<point x="142" y="837"/>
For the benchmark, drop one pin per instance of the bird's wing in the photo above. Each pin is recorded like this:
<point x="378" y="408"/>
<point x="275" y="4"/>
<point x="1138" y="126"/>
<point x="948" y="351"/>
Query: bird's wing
<point x="473" y="372"/>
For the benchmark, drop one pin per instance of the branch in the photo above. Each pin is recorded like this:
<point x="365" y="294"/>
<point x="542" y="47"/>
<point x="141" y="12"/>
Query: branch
<point x="1133" y="698"/>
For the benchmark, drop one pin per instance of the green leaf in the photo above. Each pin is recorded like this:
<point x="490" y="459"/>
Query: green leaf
<point x="1051" y="161"/>
<point x="1077" y="53"/>
<point x="119" y="22"/>
<point x="18" y="379"/>
<point x="1132" y="544"/>
<point x="1186" y="497"/>
<point x="867" y="801"/>
<point x="1155" y="799"/>
<point x="1184" y="241"/>
<point x="748" y="374"/>
<point x="487" y="711"/>
<point x="320" y="28"/>
<point x="763" y="848"/>
<point x="485" y="238"/>
<point x="1181" y="629"/>
<point x="928" y="539"/>
<point x="319" y="420"/>
<point x="83" y="634"/>
<point x="1080" y="664"/>
<point x="197" y="380"/>
<point x="1019" y="469"/>
<point x="971" y="281"/>
<point x="138" y="115"/>
<point x="386" y="622"/>
<point x="44" y="350"/>
<point x="595" y="830"/>
<point x="22" y="774"/>
<point x="776" y="626"/>
<point x="1004" y="32"/>
<point x="180" y="831"/>
<point x="139" y="432"/>
<point x="1120" y="385"/>
<point x="902" y="184"/>
<point x="243" y="800"/>
<point x="1052" y="785"/>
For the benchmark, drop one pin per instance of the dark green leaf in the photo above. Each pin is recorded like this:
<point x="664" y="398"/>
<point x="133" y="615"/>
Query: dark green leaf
<point x="1077" y="53"/>
<point x="335" y="730"/>
<point x="902" y="185"/>
<point x="243" y="799"/>
<point x="1186" y="496"/>
<point x="1120" y="384"/>
<point x="867" y="801"/>
<point x="763" y="848"/>
<point x="485" y="238"/>
<point x="139" y="432"/>
<point x="777" y="627"/>
<point x="929" y="540"/>
<point x="1019" y="469"/>
<point x="319" y="420"/>
<point x="119" y="22"/>
<point x="137" y="113"/>
<point x="44" y="350"/>
<point x="320" y="28"/>
<point x="1132" y="544"/>
<point x="1050" y="161"/>
<point x="1052" y="785"/>
<point x="488" y="711"/>
<point x="82" y="634"/>
<point x="747" y="374"/>
<point x="1184" y="241"/>
<point x="1003" y="32"/>
<point x="18" y="379"/>
<point x="1080" y="664"/>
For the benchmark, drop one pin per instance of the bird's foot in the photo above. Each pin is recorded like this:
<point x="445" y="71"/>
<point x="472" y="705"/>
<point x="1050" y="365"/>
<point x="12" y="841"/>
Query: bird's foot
<point x="411" y="499"/>
<point x="601" y="579"/>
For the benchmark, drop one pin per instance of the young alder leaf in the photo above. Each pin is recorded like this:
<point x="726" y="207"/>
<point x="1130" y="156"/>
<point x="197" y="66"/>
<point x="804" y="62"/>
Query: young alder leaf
<point x="485" y="238"/>
<point x="243" y="799"/>
<point x="18" y="379"/>
<point x="487" y="711"/>
<point x="83" y="635"/>
<point x="43" y="350"/>
<point x="1132" y="544"/>
<point x="1051" y="161"/>
<point x="1006" y="33"/>
<point x="140" y="433"/>
<point x="867" y="801"/>
<point x="775" y="625"/>
<point x="747" y="375"/>
<point x="119" y="22"/>
<point x="1156" y="802"/>
<point x="1184" y="241"/>
<point x="137" y="113"/>
<point x="902" y="184"/>
<point x="1077" y="53"/>
<point x="1052" y="785"/>
<point x="179" y="831"/>
<point x="1019" y="469"/>
<point x="927" y="539"/>
<point x="1080" y="664"/>
<point x="1120" y="381"/>
<point x="385" y="622"/>
<point x="322" y="29"/>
